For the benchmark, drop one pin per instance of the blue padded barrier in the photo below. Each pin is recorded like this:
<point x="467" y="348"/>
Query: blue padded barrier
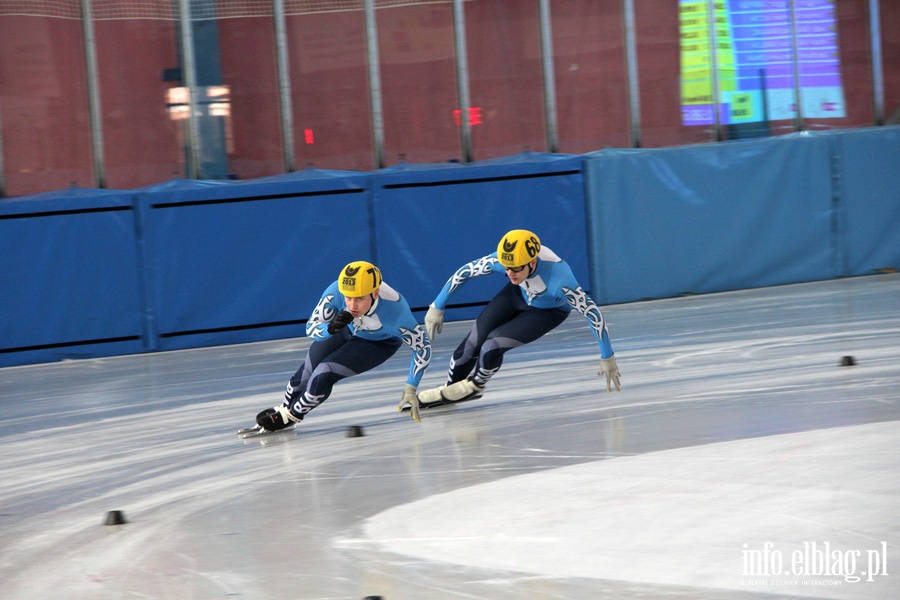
<point x="248" y="261"/>
<point x="430" y="220"/>
<point x="69" y="283"/>
<point x="867" y="164"/>
<point x="186" y="263"/>
<point x="710" y="218"/>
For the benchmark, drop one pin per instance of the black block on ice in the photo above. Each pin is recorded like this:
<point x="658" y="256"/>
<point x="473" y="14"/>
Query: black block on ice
<point x="115" y="517"/>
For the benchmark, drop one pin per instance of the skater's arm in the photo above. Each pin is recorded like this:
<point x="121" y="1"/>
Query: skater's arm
<point x="483" y="266"/>
<point x="417" y="340"/>
<point x="330" y="304"/>
<point x="580" y="301"/>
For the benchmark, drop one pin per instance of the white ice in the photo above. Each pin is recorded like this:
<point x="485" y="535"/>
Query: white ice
<point x="737" y="444"/>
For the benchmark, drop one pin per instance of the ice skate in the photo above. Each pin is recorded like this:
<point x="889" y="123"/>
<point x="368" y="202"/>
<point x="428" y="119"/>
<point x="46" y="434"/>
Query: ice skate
<point x="448" y="394"/>
<point x="270" y="421"/>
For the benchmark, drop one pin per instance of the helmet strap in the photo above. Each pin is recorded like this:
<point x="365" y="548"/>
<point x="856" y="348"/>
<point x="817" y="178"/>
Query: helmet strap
<point x="374" y="304"/>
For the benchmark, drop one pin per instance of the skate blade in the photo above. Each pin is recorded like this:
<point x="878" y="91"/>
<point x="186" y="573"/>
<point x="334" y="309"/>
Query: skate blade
<point x="439" y="403"/>
<point x="257" y="431"/>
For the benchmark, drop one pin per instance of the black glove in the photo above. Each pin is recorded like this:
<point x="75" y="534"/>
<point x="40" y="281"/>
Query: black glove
<point x="341" y="320"/>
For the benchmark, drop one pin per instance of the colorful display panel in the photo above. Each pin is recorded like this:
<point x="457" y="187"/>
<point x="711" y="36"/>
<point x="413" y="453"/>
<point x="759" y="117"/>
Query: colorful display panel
<point x="755" y="61"/>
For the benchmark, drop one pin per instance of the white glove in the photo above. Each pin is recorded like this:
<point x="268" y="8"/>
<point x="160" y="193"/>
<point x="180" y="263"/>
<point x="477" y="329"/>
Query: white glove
<point x="434" y="321"/>
<point x="611" y="370"/>
<point x="409" y="397"/>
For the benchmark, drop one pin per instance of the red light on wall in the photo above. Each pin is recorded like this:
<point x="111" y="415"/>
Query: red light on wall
<point x="475" y="117"/>
<point x="308" y="137"/>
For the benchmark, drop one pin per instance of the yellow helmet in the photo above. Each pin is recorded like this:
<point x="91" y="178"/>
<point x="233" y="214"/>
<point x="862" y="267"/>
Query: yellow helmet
<point x="358" y="279"/>
<point x="518" y="248"/>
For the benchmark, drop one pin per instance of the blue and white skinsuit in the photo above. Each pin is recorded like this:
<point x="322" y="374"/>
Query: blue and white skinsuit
<point x="518" y="314"/>
<point x="365" y="343"/>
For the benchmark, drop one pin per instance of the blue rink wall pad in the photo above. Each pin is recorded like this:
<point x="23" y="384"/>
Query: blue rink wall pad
<point x="711" y="218"/>
<point x="182" y="264"/>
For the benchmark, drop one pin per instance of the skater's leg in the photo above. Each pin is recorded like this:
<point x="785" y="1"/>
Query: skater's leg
<point x="523" y="328"/>
<point x="501" y="309"/>
<point x="353" y="357"/>
<point x="318" y="351"/>
<point x="526" y="327"/>
<point x="274" y="419"/>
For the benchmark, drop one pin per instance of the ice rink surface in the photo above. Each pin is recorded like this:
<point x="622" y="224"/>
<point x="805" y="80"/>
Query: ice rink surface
<point x="739" y="461"/>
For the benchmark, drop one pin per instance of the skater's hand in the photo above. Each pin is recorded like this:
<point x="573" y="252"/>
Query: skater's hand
<point x="409" y="397"/>
<point x="340" y="320"/>
<point x="434" y="321"/>
<point x="611" y="370"/>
